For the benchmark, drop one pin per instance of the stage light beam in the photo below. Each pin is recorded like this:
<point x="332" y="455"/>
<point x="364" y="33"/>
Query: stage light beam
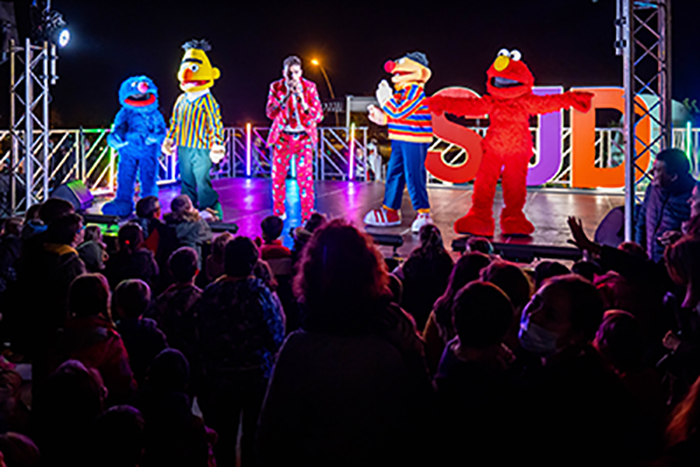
<point x="247" y="149"/>
<point x="351" y="159"/>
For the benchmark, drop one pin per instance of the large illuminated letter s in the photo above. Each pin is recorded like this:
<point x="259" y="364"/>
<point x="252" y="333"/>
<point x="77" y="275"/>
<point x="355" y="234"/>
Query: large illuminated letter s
<point x="458" y="135"/>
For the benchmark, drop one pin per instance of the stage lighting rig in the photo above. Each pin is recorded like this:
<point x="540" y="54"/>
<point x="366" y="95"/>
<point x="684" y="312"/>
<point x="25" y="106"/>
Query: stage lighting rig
<point x="51" y="27"/>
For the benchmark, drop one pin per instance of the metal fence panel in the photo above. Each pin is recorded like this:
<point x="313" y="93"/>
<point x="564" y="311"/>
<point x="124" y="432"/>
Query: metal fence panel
<point x="83" y="154"/>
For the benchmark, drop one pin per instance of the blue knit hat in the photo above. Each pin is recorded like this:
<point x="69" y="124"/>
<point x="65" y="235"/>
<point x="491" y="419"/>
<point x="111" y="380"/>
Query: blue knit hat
<point x="418" y="57"/>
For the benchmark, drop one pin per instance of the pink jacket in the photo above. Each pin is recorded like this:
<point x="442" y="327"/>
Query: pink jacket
<point x="280" y="114"/>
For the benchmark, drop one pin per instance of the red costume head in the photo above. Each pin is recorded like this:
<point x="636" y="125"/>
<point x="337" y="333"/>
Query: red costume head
<point x="508" y="76"/>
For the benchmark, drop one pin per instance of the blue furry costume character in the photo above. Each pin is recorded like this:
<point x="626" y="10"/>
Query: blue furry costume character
<point x="137" y="133"/>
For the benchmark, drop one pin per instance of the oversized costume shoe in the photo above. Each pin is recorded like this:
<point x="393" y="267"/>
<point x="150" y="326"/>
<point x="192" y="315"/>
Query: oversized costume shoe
<point x="383" y="217"/>
<point x="118" y="207"/>
<point x="423" y="218"/>
<point x="514" y="222"/>
<point x="476" y="223"/>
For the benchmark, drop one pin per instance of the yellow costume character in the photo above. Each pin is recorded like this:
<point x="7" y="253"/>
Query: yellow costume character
<point x="196" y="130"/>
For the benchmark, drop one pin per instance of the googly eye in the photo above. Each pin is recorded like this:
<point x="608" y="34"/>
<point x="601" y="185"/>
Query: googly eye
<point x="133" y="85"/>
<point x="194" y="67"/>
<point x="515" y="55"/>
<point x="400" y="61"/>
<point x="503" y="53"/>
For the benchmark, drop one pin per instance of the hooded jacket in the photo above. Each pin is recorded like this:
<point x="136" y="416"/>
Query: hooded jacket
<point x="663" y="209"/>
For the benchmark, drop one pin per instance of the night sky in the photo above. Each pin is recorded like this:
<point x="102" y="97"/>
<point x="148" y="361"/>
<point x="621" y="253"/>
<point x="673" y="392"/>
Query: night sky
<point x="567" y="42"/>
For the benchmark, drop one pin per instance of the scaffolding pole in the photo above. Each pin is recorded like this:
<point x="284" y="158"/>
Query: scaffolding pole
<point x="29" y="124"/>
<point x="644" y="41"/>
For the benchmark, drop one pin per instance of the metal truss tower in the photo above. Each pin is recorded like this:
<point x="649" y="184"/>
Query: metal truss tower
<point x="30" y="79"/>
<point x="644" y="41"/>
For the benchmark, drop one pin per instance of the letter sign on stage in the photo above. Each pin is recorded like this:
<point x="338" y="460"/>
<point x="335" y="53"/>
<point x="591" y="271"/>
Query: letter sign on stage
<point x="584" y="173"/>
<point x="458" y="135"/>
<point x="548" y="142"/>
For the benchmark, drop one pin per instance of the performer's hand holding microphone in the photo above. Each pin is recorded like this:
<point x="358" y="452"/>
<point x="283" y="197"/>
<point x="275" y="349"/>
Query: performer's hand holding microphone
<point x="293" y="87"/>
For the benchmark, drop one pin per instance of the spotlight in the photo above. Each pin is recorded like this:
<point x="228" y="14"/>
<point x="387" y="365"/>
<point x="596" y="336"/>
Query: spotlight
<point x="63" y="37"/>
<point x="50" y="26"/>
<point x="55" y="30"/>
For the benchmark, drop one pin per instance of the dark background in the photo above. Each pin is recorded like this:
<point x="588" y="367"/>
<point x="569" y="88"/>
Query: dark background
<point x="567" y="42"/>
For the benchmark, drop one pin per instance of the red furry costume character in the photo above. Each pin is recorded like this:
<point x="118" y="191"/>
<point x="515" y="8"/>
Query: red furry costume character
<point x="508" y="143"/>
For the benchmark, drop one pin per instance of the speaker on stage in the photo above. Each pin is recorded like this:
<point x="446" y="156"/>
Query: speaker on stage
<point x="76" y="193"/>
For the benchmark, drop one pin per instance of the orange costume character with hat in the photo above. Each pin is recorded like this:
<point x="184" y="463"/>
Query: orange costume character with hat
<point x="410" y="131"/>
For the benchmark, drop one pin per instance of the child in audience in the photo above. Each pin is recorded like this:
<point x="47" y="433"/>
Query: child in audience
<point x="66" y="406"/>
<point x="141" y="336"/>
<point x="510" y="278"/>
<point x="548" y="269"/>
<point x="132" y="260"/>
<point x="174" y="436"/>
<point x="32" y="222"/>
<point x="117" y="437"/>
<point x="272" y="247"/>
<point x="91" y="337"/>
<point x="571" y="397"/>
<point x="683" y="433"/>
<point x="93" y="251"/>
<point x="173" y="308"/>
<point x="214" y="264"/>
<point x="190" y="229"/>
<point x="479" y="245"/>
<point x="18" y="450"/>
<point x="439" y="330"/>
<point x="302" y="235"/>
<point x="241" y="328"/>
<point x="158" y="237"/>
<point x="473" y="383"/>
<point x="425" y="274"/>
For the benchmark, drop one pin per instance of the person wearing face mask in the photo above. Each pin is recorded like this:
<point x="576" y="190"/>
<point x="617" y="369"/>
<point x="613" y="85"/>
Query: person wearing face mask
<point x="573" y="400"/>
<point x="294" y="107"/>
<point x="665" y="207"/>
<point x="562" y="316"/>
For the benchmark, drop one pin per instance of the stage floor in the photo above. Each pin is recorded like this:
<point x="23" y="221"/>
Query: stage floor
<point x="246" y="201"/>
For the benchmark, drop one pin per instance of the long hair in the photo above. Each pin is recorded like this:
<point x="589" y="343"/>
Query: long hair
<point x="89" y="295"/>
<point x="684" y="268"/>
<point x="511" y="279"/>
<point x="686" y="417"/>
<point x="430" y="242"/>
<point x="341" y="279"/>
<point x="467" y="269"/>
<point x="130" y="237"/>
<point x="182" y="209"/>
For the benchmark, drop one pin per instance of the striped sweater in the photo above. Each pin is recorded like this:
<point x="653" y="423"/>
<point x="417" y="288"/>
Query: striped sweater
<point x="196" y="124"/>
<point x="409" y="117"/>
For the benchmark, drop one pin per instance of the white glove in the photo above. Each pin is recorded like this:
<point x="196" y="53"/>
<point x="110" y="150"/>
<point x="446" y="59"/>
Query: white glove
<point x="384" y="92"/>
<point x="217" y="153"/>
<point x="377" y="115"/>
<point x="167" y="147"/>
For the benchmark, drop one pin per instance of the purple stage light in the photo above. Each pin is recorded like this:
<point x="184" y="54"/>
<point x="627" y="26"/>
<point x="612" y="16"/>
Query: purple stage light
<point x="248" y="131"/>
<point x="351" y="161"/>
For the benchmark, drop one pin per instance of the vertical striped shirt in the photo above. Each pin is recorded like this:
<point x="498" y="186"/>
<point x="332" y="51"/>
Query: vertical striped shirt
<point x="196" y="124"/>
<point x="409" y="117"/>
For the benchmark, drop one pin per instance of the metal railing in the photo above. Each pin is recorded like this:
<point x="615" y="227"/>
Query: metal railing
<point x="83" y="154"/>
<point x="609" y="150"/>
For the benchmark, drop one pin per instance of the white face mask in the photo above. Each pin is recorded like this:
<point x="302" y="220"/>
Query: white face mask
<point x="536" y="339"/>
